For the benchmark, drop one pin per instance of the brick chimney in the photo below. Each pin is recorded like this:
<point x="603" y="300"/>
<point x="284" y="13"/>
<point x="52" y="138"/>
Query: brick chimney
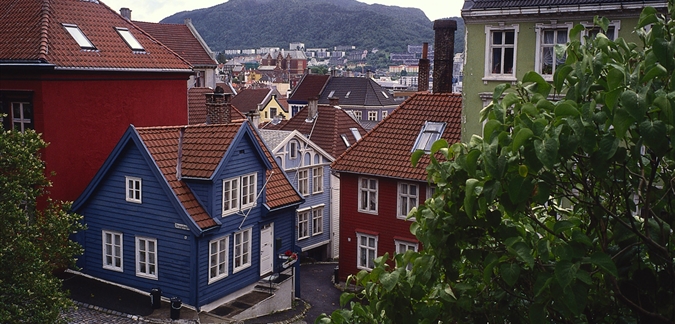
<point x="333" y="101"/>
<point x="312" y="108"/>
<point x="126" y="13"/>
<point x="424" y="66"/>
<point x="218" y="107"/>
<point x="444" y="46"/>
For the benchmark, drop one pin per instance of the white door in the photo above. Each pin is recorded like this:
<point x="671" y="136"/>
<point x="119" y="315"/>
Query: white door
<point x="266" y="249"/>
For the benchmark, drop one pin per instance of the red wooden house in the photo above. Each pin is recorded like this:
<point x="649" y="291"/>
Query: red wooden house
<point x="378" y="184"/>
<point x="79" y="73"/>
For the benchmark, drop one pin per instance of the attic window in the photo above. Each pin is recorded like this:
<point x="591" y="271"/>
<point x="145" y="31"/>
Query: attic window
<point x="130" y="39"/>
<point x="384" y="94"/>
<point x="79" y="37"/>
<point x="331" y="94"/>
<point x="431" y="131"/>
<point x="356" y="133"/>
<point x="347" y="95"/>
<point x="345" y="140"/>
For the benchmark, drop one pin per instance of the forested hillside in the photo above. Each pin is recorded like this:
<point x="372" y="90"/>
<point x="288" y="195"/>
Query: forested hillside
<point x="239" y="24"/>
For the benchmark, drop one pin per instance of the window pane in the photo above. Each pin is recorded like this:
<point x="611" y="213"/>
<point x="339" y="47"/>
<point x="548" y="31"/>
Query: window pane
<point x="497" y="60"/>
<point x="509" y="39"/>
<point x="562" y="37"/>
<point x="508" y="60"/>
<point x="549" y="36"/>
<point x="497" y="38"/>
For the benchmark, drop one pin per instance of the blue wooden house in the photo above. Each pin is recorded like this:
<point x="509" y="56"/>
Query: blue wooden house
<point x="202" y="212"/>
<point x="308" y="168"/>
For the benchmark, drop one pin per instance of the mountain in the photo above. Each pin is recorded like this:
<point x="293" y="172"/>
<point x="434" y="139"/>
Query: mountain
<point x="240" y="24"/>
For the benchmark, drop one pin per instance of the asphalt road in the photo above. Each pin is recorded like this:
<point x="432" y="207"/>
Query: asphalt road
<point x="318" y="290"/>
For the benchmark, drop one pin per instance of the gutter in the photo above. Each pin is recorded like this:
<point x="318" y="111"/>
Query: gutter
<point x="553" y="10"/>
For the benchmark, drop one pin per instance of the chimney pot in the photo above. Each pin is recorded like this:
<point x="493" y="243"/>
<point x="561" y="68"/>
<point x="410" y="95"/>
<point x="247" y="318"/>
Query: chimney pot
<point x="126" y="13"/>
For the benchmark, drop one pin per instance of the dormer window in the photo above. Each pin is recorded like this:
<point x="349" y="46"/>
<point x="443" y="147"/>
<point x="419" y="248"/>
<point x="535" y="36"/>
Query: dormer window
<point x="431" y="131"/>
<point x="129" y="39"/>
<point x="79" y="37"/>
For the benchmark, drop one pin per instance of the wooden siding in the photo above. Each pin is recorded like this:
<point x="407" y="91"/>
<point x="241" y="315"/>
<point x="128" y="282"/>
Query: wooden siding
<point x="385" y="223"/>
<point x="202" y="189"/>
<point x="107" y="209"/>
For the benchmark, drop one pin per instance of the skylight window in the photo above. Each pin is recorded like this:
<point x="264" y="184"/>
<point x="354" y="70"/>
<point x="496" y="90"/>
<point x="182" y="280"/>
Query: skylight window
<point x="331" y="94"/>
<point x="355" y="132"/>
<point x="345" y="140"/>
<point x="348" y="93"/>
<point x="79" y="37"/>
<point x="431" y="131"/>
<point x="385" y="94"/>
<point x="130" y="39"/>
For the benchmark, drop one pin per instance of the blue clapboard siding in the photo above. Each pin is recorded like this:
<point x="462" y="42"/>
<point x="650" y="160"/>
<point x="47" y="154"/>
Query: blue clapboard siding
<point x="107" y="209"/>
<point x="203" y="191"/>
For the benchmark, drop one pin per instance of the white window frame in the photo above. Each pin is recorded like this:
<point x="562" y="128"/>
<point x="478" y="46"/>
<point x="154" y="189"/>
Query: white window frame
<point x="370" y="196"/>
<point x="21" y="120"/>
<point x="129" y="38"/>
<point x="540" y="30"/>
<point x="489" y="75"/>
<point x="239" y="193"/>
<point x="303" y="182"/>
<point x="405" y="197"/>
<point x="79" y="37"/>
<point x="367" y="263"/>
<point x="589" y="25"/>
<point x="242" y="250"/>
<point x="317" y="180"/>
<point x="218" y="258"/>
<point x="430" y="133"/>
<point x="112" y="252"/>
<point x="303" y="223"/>
<point x="358" y="114"/>
<point x="144" y="256"/>
<point x="403" y="246"/>
<point x="134" y="193"/>
<point x="293" y="150"/>
<point x="317" y="220"/>
<point x="372" y="115"/>
<point x="384" y="114"/>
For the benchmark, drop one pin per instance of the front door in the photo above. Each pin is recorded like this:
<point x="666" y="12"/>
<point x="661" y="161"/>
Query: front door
<point x="266" y="249"/>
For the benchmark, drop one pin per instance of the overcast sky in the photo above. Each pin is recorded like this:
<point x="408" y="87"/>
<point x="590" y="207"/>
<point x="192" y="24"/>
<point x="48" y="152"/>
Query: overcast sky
<point x="156" y="10"/>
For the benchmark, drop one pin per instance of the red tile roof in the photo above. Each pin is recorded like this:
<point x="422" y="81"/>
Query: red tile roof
<point x="162" y="143"/>
<point x="326" y="129"/>
<point x="203" y="148"/>
<point x="248" y="99"/>
<point x="197" y="106"/>
<point x="310" y="86"/>
<point x="180" y="39"/>
<point x="386" y="150"/>
<point x="32" y="30"/>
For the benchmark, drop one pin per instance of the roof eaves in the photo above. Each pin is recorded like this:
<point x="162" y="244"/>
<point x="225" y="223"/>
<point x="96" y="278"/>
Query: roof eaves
<point x="111" y="69"/>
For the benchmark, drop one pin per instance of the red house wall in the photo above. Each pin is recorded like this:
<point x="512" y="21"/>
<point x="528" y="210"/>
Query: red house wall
<point x="385" y="224"/>
<point x="83" y="115"/>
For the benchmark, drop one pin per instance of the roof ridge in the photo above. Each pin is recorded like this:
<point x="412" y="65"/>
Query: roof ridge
<point x="45" y="18"/>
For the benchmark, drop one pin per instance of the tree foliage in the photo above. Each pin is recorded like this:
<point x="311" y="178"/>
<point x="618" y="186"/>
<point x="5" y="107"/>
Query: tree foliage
<point x="562" y="212"/>
<point x="34" y="240"/>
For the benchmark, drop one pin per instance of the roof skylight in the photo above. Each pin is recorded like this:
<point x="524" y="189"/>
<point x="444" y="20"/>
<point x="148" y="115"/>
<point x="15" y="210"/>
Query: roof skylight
<point x="385" y="94"/>
<point x="345" y="140"/>
<point x="355" y="132"/>
<point x="130" y="39"/>
<point x="331" y="94"/>
<point x="431" y="131"/>
<point x="79" y="37"/>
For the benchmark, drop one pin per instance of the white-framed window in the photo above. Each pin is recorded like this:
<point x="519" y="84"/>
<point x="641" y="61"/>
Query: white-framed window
<point x="293" y="150"/>
<point x="303" y="224"/>
<point x="133" y="189"/>
<point x="273" y="112"/>
<point x="591" y="30"/>
<point x="242" y="250"/>
<point x="408" y="196"/>
<point x="303" y="182"/>
<point x="357" y="115"/>
<point x="22" y="116"/>
<point x="368" y="195"/>
<point x="501" y="44"/>
<point x="355" y="133"/>
<point x="129" y="39"/>
<point x="430" y="132"/>
<point x="403" y="246"/>
<point x="317" y="220"/>
<point x="384" y="114"/>
<point x="146" y="257"/>
<point x="79" y="36"/>
<point x="218" y="255"/>
<point x="366" y="251"/>
<point x="239" y="193"/>
<point x="317" y="179"/>
<point x="372" y="115"/>
<point x="548" y="36"/>
<point x="112" y="250"/>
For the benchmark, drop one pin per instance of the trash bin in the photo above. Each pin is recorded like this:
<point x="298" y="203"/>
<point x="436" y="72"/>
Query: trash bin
<point x="175" y="308"/>
<point x="336" y="271"/>
<point x="156" y="298"/>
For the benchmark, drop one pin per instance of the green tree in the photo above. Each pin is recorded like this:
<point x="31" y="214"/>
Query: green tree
<point x="319" y="69"/>
<point x="34" y="240"/>
<point x="563" y="212"/>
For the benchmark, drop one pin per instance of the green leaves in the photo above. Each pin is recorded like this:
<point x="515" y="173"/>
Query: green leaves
<point x="604" y="262"/>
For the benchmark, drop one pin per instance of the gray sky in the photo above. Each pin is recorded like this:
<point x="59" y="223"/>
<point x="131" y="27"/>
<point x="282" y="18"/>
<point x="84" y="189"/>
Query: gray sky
<point x="156" y="10"/>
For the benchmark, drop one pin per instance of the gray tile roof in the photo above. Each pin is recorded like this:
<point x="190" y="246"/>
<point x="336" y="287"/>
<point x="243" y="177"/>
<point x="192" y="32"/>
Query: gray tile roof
<point x="273" y="137"/>
<point x="356" y="92"/>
